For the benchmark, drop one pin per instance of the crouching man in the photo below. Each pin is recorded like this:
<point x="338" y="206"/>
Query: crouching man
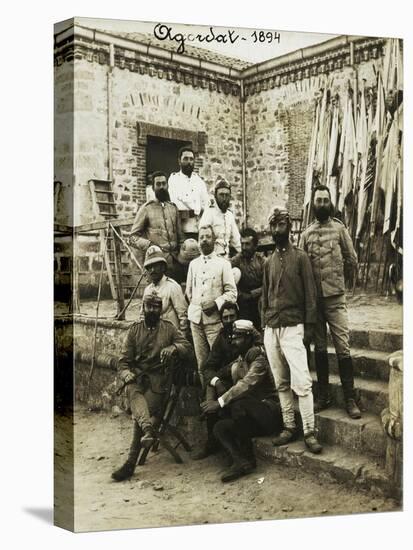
<point x="152" y="348"/>
<point x="250" y="403"/>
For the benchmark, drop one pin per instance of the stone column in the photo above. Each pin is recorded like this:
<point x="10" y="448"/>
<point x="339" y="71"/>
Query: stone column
<point x="392" y="420"/>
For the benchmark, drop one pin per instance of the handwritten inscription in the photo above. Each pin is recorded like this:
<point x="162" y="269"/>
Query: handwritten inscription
<point x="230" y="36"/>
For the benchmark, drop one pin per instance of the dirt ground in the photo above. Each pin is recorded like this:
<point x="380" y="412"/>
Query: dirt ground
<point x="366" y="311"/>
<point x="162" y="493"/>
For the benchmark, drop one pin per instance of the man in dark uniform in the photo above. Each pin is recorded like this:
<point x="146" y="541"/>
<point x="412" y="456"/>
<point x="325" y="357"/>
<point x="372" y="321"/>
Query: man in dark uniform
<point x="251" y="265"/>
<point x="330" y="249"/>
<point x="251" y="404"/>
<point x="151" y="348"/>
<point x="157" y="222"/>
<point x="221" y="355"/>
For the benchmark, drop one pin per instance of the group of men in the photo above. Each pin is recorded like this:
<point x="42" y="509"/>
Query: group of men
<point x="248" y="320"/>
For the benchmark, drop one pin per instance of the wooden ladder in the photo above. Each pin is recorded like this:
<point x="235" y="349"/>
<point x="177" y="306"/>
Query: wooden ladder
<point x="117" y="261"/>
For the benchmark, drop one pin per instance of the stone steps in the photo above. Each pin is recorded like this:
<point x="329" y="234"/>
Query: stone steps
<point x="364" y="436"/>
<point x="366" y="363"/>
<point x="372" y="395"/>
<point x="333" y="464"/>
<point x="354" y="451"/>
<point x="380" y="340"/>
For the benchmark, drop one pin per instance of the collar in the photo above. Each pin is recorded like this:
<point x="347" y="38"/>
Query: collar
<point x="284" y="248"/>
<point x="161" y="282"/>
<point x="208" y="257"/>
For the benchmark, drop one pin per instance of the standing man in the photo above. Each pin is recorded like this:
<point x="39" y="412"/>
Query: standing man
<point x="251" y="265"/>
<point x="222" y="220"/>
<point x="289" y="314"/>
<point x="331" y="250"/>
<point x="250" y="403"/>
<point x="174" y="306"/>
<point x="157" y="222"/>
<point x="151" y="348"/>
<point x="210" y="283"/>
<point x="189" y="192"/>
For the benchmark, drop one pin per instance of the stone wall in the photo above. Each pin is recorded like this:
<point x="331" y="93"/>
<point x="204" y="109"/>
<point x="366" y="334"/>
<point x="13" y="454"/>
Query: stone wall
<point x="279" y="124"/>
<point x="168" y="99"/>
<point x="141" y="103"/>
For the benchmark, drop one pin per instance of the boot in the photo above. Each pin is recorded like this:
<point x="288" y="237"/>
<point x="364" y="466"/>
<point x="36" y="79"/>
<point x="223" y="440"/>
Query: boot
<point x="211" y="446"/>
<point x="312" y="444"/>
<point x="239" y="469"/>
<point x="324" y="398"/>
<point x="345" y="368"/>
<point x="286" y="436"/>
<point x="224" y="433"/>
<point x="126" y="471"/>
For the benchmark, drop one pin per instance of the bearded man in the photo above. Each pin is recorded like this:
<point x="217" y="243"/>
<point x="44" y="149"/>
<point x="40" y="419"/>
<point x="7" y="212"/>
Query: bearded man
<point x="152" y="347"/>
<point x="222" y="220"/>
<point x="330" y="249"/>
<point x="289" y="314"/>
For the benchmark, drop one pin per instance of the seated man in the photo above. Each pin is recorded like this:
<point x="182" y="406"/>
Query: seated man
<point x="222" y="354"/>
<point x="251" y="403"/>
<point x="150" y="349"/>
<point x="174" y="306"/>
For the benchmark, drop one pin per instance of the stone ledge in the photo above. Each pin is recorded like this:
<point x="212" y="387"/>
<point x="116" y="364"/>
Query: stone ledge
<point x="333" y="464"/>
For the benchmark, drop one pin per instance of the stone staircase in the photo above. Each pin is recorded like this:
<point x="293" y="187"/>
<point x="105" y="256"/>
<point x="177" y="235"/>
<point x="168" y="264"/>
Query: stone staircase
<point x="354" y="451"/>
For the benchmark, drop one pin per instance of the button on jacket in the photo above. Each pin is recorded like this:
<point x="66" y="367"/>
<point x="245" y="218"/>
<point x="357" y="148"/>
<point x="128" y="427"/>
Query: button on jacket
<point x="209" y="279"/>
<point x="157" y="223"/>
<point x="174" y="306"/>
<point x="288" y="292"/>
<point x="225" y="229"/>
<point x="329" y="248"/>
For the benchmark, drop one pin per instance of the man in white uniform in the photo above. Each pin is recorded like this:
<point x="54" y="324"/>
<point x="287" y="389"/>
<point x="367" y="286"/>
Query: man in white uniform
<point x="222" y="220"/>
<point x="189" y="192"/>
<point x="210" y="283"/>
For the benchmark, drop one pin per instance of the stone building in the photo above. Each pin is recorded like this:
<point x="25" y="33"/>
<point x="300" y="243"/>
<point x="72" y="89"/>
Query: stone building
<point x="123" y="107"/>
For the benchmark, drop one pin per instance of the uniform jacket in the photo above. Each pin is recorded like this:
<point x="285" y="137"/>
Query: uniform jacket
<point x="174" y="306"/>
<point x="288" y="291"/>
<point x="251" y="375"/>
<point x="210" y="279"/>
<point x="225" y="229"/>
<point x="329" y="248"/>
<point x="142" y="347"/>
<point x="189" y="194"/>
<point x="157" y="223"/>
<point x="222" y="353"/>
<point x="251" y="273"/>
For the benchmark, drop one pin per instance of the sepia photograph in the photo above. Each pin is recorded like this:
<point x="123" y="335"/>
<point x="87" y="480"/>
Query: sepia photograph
<point x="228" y="274"/>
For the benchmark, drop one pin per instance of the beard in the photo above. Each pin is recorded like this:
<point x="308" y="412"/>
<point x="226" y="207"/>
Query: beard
<point x="223" y="205"/>
<point x="322" y="213"/>
<point x="227" y="329"/>
<point x="280" y="240"/>
<point x="187" y="170"/>
<point x="206" y="248"/>
<point x="162" y="195"/>
<point x="151" y="318"/>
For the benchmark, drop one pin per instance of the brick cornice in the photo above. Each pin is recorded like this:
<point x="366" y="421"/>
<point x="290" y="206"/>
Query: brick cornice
<point x="323" y="62"/>
<point x="315" y="60"/>
<point x="147" y="60"/>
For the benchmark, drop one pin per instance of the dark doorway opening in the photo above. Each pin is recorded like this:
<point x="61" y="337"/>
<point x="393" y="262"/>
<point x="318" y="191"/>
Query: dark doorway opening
<point x="162" y="154"/>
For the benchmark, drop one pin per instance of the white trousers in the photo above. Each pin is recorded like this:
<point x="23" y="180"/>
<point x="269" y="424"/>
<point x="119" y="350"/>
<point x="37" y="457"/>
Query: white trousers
<point x="288" y="361"/>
